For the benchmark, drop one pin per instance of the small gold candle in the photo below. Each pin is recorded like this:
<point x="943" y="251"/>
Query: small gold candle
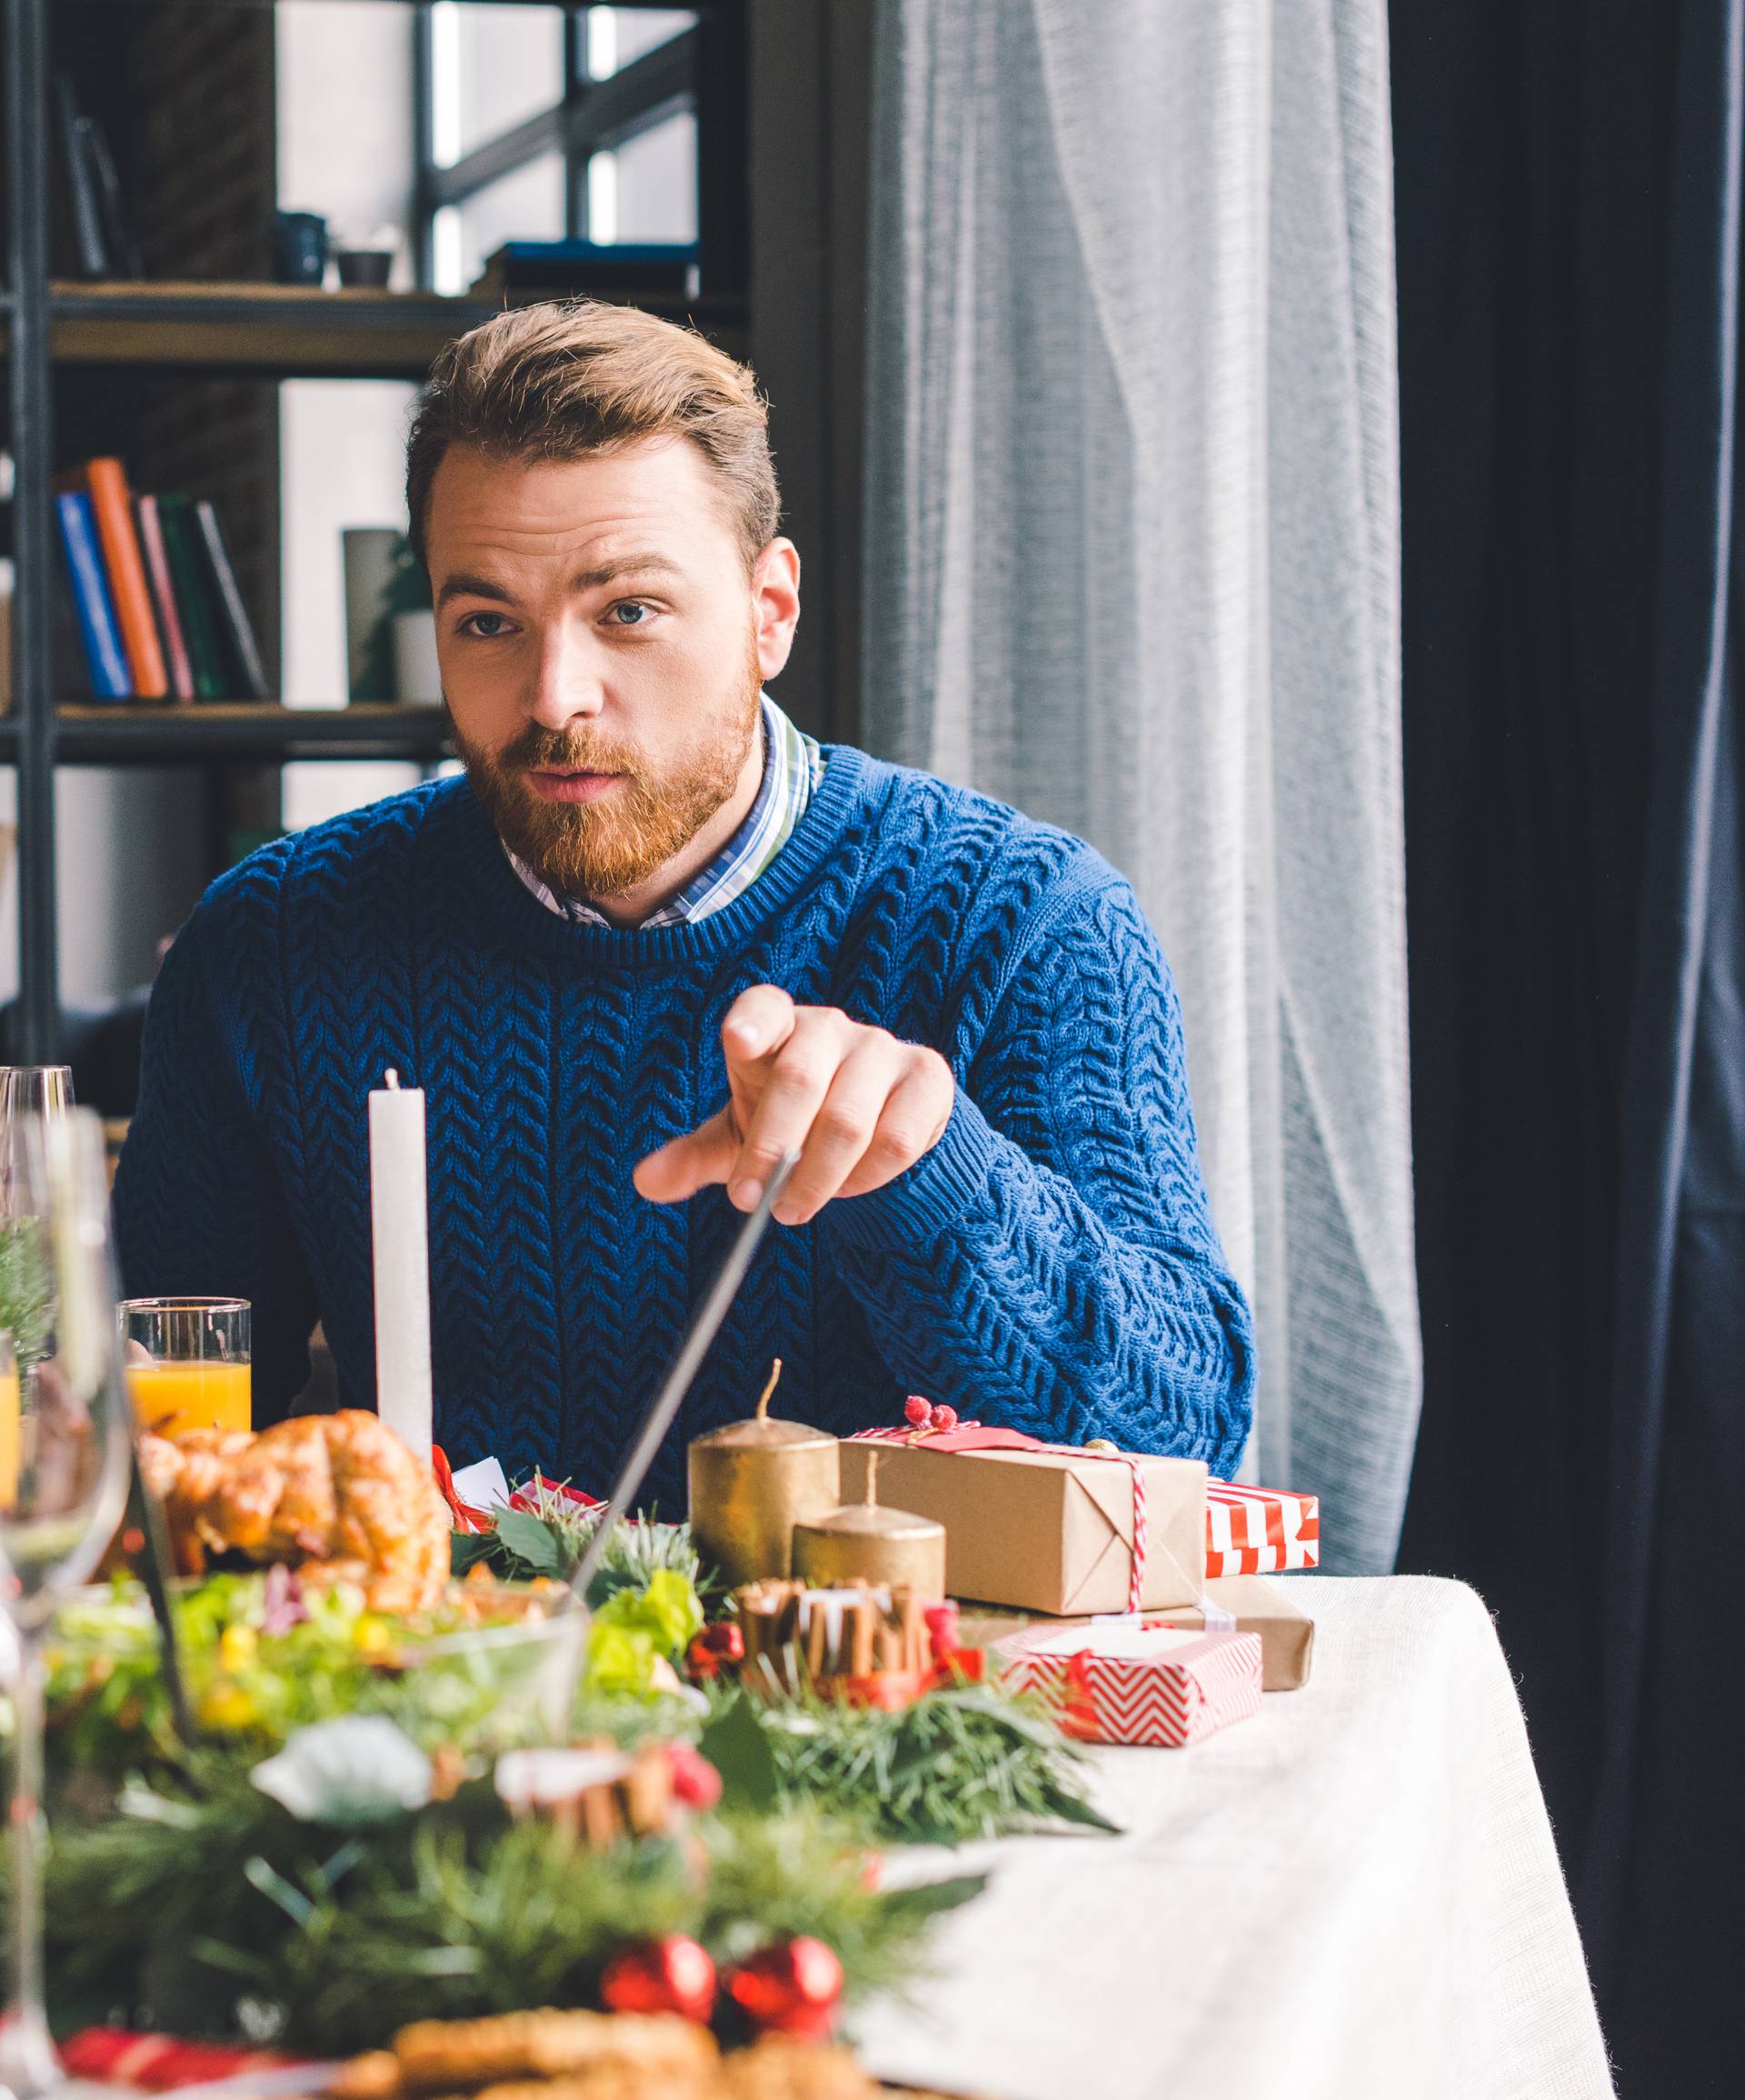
<point x="862" y="1542"/>
<point x="752" y="1483"/>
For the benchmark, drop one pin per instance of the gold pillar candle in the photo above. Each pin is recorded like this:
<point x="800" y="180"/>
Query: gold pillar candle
<point x="863" y="1543"/>
<point x="752" y="1483"/>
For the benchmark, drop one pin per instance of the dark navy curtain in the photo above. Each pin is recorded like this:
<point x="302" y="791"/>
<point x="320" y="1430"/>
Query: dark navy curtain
<point x="1567" y="195"/>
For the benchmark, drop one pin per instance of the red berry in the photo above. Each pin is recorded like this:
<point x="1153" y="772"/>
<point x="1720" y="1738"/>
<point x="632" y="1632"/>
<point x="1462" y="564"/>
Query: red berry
<point x="940" y="1621"/>
<point x="944" y="1417"/>
<point x="917" y="1412"/>
<point x="696" y="1781"/>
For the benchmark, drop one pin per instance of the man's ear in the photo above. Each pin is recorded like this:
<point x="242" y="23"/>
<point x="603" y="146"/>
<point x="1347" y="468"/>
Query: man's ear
<point x="775" y="592"/>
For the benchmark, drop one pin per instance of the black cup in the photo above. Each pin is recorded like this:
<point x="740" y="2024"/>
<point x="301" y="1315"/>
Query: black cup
<point x="364" y="269"/>
<point x="299" y="247"/>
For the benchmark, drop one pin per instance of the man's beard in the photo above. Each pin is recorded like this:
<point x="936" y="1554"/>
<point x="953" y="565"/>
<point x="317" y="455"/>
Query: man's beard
<point x="595" y="850"/>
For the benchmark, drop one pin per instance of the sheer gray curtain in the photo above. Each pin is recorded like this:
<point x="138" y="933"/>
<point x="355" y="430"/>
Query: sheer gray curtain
<point x="1133" y="563"/>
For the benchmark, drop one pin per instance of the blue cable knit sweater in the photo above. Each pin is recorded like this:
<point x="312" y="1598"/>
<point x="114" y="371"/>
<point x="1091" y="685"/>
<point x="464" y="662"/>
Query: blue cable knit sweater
<point x="1050" y="1264"/>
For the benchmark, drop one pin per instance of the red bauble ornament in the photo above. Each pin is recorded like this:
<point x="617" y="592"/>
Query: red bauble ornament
<point x="790" y="1988"/>
<point x="674" y="1974"/>
<point x="917" y="1412"/>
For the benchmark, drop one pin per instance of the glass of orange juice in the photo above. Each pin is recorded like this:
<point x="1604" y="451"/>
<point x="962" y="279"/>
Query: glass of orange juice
<point x="187" y="1362"/>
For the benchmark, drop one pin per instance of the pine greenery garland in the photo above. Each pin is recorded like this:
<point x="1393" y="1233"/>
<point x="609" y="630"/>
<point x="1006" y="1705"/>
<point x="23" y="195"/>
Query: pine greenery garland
<point x="968" y="1762"/>
<point x="210" y="1906"/>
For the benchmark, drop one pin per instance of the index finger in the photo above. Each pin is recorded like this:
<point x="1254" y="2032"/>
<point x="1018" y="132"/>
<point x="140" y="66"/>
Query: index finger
<point x="758" y="1022"/>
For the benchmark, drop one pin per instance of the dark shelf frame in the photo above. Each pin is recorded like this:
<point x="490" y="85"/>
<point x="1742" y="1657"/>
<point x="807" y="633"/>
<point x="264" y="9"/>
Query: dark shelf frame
<point x="130" y="734"/>
<point x="26" y="59"/>
<point x="274" y="331"/>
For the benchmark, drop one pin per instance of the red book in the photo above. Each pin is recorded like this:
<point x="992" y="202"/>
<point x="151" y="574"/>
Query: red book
<point x="169" y="620"/>
<point x="111" y="500"/>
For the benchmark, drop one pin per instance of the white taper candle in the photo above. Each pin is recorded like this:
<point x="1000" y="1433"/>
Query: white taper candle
<point x="400" y="1244"/>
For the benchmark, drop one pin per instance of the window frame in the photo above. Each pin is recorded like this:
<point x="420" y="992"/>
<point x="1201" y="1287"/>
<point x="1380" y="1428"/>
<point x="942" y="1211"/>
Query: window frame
<point x="596" y="117"/>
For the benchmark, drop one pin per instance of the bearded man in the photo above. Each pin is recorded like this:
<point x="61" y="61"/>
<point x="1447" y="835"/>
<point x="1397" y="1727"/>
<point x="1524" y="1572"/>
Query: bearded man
<point x="654" y="938"/>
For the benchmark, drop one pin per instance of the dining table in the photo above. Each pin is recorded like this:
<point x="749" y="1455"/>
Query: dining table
<point x="1353" y="1894"/>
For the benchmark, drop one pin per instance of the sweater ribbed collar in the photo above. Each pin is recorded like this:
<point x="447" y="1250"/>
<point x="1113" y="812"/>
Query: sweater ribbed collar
<point x="505" y="905"/>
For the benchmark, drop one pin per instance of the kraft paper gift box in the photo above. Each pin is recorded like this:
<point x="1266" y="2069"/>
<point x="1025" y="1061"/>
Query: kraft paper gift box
<point x="1141" y="1685"/>
<point x="1251" y="1604"/>
<point x="1043" y="1528"/>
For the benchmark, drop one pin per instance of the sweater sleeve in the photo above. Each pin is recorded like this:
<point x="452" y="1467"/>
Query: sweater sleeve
<point x="1051" y="1265"/>
<point x="199" y="1209"/>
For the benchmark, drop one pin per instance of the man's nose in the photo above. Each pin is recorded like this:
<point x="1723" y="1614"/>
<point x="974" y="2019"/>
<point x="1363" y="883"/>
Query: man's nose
<point x="568" y="684"/>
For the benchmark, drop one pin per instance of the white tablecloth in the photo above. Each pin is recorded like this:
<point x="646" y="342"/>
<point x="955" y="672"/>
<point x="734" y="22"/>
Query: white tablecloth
<point x="1355" y="1893"/>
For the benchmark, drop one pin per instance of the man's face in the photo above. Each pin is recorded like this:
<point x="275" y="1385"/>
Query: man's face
<point x="602" y="649"/>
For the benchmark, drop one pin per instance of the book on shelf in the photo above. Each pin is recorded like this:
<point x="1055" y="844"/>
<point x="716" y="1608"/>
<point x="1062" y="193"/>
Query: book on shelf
<point x="182" y="546"/>
<point x="84" y="204"/>
<point x="100" y="631"/>
<point x="103" y="238"/>
<point x="153" y="575"/>
<point x="233" y="620"/>
<point x="124" y="257"/>
<point x="524" y="270"/>
<point x="112" y="501"/>
<point x="169" y="618"/>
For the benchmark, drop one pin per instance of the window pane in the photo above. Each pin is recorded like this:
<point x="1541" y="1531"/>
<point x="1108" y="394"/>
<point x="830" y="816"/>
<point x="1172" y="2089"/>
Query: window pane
<point x="491" y="68"/>
<point x="617" y="35"/>
<point x="526" y="205"/>
<point x="647" y="189"/>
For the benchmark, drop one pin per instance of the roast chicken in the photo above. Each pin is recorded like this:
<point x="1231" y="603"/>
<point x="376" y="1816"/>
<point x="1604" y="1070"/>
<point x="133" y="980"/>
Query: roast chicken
<point x="336" y="1496"/>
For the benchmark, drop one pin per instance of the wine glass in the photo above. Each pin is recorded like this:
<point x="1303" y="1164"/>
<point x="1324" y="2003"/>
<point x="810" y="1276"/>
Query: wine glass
<point x="60" y="1503"/>
<point x="38" y="1090"/>
<point x="30" y="1098"/>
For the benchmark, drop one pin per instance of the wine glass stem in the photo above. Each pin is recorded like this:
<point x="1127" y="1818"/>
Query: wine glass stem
<point x="24" y="2044"/>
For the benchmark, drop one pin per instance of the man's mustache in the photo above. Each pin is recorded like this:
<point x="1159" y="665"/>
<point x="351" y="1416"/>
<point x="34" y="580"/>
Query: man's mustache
<point x="536" y="747"/>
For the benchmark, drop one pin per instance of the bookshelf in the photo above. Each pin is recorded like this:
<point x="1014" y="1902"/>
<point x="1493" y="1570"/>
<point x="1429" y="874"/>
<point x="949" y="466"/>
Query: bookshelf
<point x="166" y="329"/>
<point x="153" y="734"/>
<point x="293" y="330"/>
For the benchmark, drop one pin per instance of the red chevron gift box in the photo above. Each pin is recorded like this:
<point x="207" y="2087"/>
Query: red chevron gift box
<point x="1259" y="1530"/>
<point x="1134" y="1682"/>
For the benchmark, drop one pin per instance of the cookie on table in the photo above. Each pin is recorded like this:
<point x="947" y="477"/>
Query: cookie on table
<point x="778" y="2068"/>
<point x="459" y="2055"/>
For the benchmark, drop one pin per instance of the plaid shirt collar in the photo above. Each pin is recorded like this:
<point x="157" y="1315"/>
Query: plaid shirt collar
<point x="793" y="768"/>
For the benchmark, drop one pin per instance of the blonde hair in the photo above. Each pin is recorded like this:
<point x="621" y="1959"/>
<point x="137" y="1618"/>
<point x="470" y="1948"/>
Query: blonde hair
<point x="572" y="379"/>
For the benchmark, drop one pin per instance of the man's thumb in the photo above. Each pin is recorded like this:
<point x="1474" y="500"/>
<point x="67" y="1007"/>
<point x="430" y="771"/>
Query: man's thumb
<point x="687" y="1164"/>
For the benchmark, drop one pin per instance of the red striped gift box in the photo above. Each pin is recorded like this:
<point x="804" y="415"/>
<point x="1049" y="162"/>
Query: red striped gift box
<point x="1259" y="1530"/>
<point x="1138" y="1683"/>
<point x="160" y="2063"/>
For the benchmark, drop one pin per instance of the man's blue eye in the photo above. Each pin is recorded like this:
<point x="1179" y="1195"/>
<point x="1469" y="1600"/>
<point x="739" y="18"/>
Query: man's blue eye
<point x="629" y="614"/>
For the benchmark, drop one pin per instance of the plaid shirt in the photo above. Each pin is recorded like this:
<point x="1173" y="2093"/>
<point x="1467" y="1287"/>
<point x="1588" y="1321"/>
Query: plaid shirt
<point x="793" y="768"/>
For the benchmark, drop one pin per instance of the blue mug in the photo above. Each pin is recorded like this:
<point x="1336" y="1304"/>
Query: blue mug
<point x="299" y="247"/>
